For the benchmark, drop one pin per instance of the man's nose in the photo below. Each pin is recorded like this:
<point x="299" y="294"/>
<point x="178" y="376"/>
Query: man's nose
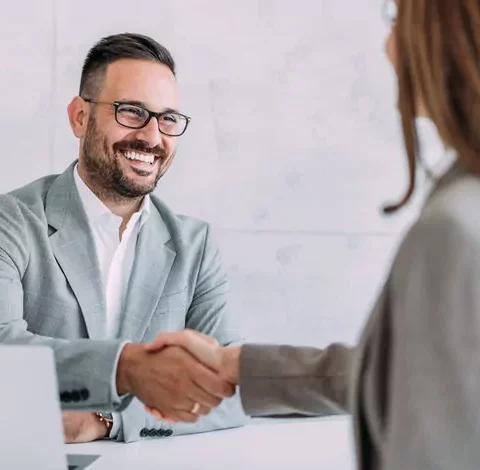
<point x="151" y="134"/>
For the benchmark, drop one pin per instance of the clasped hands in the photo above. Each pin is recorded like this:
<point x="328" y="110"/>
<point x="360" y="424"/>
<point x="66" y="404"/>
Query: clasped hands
<point x="179" y="376"/>
<point x="214" y="372"/>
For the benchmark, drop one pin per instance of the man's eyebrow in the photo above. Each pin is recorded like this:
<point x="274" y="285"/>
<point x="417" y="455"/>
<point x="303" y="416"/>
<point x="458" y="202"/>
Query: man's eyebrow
<point x="143" y="105"/>
<point x="171" y="110"/>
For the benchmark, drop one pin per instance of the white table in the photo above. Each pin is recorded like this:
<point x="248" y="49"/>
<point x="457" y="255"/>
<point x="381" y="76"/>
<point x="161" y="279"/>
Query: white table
<point x="276" y="444"/>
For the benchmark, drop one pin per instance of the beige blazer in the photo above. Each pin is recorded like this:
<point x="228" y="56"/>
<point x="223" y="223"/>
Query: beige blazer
<point x="415" y="377"/>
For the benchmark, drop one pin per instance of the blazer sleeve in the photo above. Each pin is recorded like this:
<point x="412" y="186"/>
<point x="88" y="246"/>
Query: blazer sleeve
<point x="86" y="369"/>
<point x="280" y="380"/>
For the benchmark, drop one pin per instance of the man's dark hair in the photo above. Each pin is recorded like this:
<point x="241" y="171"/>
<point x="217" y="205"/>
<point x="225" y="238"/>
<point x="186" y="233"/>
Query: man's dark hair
<point x="117" y="47"/>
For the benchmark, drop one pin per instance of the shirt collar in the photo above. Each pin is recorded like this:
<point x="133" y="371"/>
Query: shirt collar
<point x="145" y="209"/>
<point x="435" y="159"/>
<point x="96" y="210"/>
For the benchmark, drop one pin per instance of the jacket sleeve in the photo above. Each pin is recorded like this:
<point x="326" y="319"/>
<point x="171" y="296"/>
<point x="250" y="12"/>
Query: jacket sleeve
<point x="281" y="380"/>
<point x="86" y="369"/>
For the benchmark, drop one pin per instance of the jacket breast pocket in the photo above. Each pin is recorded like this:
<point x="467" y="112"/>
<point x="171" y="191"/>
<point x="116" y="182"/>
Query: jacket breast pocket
<point x="170" y="302"/>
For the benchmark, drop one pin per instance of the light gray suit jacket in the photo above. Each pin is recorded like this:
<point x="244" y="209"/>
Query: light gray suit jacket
<point x="415" y="382"/>
<point x="51" y="294"/>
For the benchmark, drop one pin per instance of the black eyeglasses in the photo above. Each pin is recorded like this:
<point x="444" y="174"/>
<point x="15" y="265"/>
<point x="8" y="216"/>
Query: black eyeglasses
<point x="135" y="116"/>
<point x="390" y="10"/>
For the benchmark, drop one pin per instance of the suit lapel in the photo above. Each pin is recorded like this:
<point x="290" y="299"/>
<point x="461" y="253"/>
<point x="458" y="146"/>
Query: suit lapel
<point x="153" y="262"/>
<point x="358" y="369"/>
<point x="381" y="309"/>
<point x="382" y="302"/>
<point x="74" y="249"/>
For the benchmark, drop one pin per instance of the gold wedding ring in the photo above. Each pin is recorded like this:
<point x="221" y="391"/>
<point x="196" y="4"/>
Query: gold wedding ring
<point x="195" y="408"/>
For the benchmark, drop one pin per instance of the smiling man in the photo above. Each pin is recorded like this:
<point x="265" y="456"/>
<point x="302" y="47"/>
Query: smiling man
<point x="93" y="265"/>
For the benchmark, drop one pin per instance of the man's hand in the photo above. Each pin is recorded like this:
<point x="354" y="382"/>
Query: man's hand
<point x="171" y="380"/>
<point x="206" y="349"/>
<point x="81" y="426"/>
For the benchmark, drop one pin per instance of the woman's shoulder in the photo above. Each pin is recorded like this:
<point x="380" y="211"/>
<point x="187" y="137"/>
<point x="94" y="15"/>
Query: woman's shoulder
<point x="448" y="225"/>
<point x="455" y="199"/>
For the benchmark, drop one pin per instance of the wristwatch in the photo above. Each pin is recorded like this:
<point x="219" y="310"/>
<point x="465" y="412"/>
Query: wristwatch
<point x="107" y="419"/>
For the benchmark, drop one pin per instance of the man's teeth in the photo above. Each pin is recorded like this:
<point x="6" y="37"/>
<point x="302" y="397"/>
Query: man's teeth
<point x="140" y="156"/>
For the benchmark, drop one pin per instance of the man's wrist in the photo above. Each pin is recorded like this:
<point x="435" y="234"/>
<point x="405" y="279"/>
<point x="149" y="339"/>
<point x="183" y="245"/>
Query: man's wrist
<point x="125" y="366"/>
<point x="106" y="421"/>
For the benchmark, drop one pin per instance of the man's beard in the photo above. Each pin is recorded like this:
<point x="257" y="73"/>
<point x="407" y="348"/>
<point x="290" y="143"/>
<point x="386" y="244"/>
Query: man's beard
<point x="102" y="165"/>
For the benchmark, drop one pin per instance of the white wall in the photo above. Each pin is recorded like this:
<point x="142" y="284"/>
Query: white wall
<point x="293" y="147"/>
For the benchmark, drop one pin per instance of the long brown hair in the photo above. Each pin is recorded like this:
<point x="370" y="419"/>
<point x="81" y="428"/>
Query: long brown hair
<point x="438" y="59"/>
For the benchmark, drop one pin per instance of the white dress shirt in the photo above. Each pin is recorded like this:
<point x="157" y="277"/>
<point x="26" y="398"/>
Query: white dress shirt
<point x="115" y="257"/>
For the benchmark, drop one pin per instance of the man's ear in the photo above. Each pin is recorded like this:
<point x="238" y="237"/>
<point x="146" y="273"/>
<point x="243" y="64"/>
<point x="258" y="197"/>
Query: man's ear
<point x="78" y="116"/>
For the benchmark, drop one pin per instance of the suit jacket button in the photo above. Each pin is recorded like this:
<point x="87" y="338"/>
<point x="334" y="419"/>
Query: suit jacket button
<point x="152" y="432"/>
<point x="75" y="395"/>
<point x="168" y="432"/>
<point x="144" y="432"/>
<point x="160" y="432"/>
<point x="84" y="394"/>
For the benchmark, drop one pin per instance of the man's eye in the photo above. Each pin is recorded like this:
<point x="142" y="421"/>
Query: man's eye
<point x="170" y="118"/>
<point x="132" y="110"/>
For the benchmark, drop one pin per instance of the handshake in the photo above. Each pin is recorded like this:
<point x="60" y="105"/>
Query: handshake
<point x="179" y="376"/>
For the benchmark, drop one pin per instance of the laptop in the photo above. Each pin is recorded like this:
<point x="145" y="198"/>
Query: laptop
<point x="31" y="431"/>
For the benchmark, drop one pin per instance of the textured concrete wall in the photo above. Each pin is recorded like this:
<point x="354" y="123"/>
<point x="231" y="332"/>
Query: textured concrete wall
<point x="293" y="147"/>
